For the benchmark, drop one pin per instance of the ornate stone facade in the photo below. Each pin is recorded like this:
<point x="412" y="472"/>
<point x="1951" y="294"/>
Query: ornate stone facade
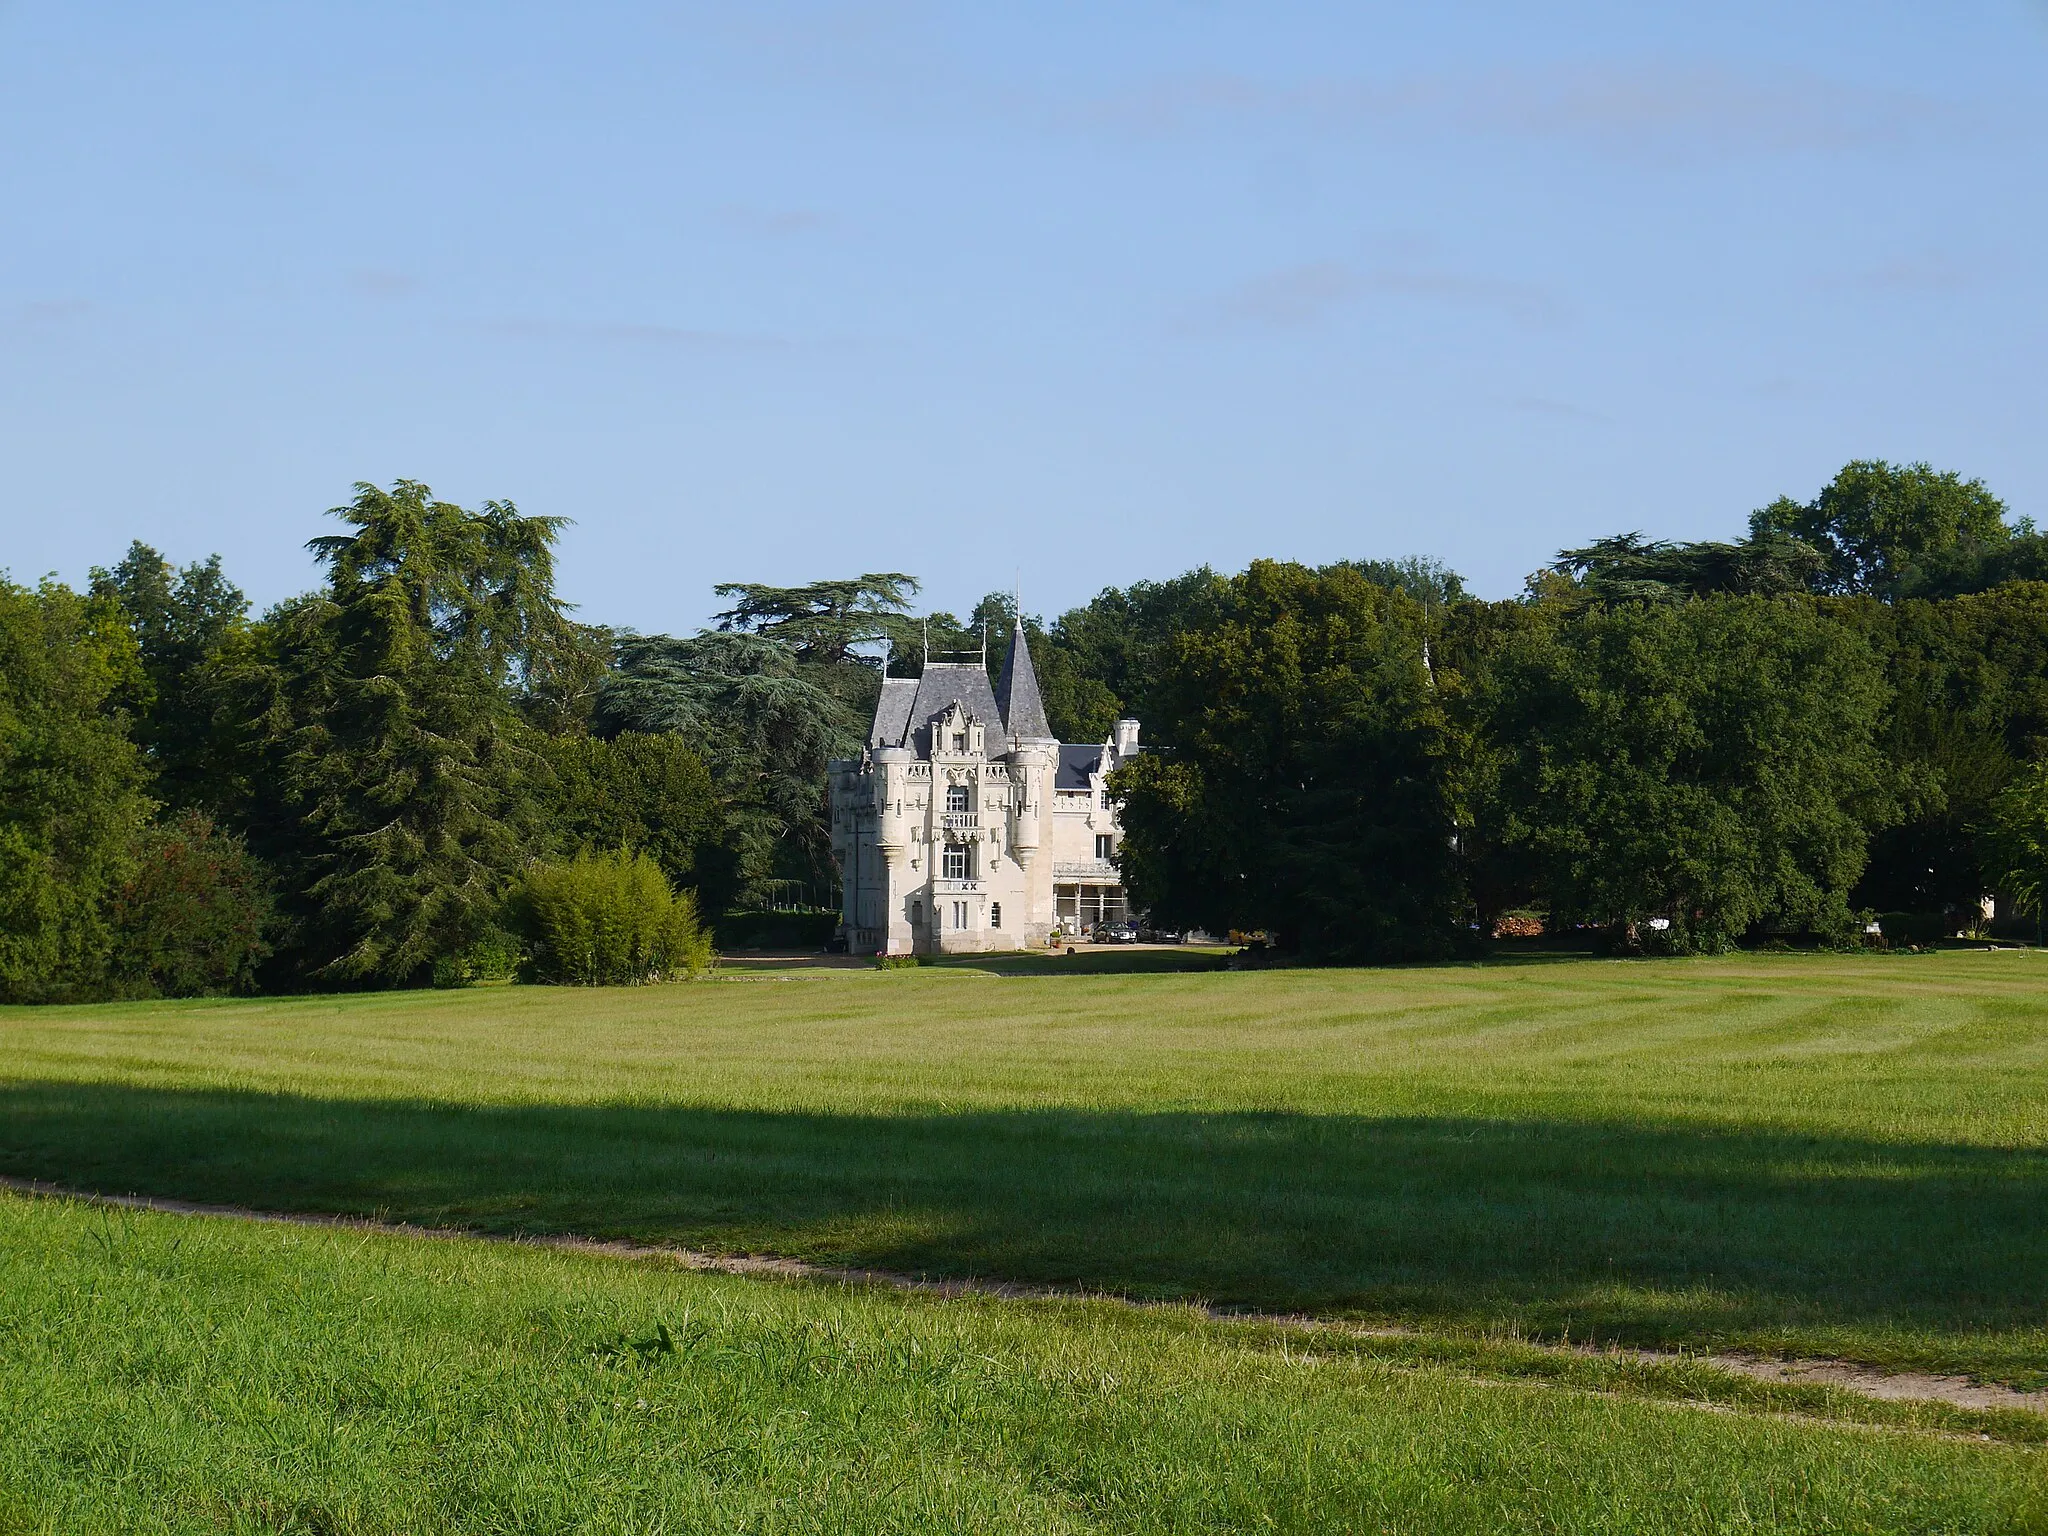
<point x="964" y="826"/>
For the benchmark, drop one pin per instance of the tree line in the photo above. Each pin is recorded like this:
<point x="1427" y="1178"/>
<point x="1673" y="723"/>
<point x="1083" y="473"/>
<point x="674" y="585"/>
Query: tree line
<point x="1673" y="747"/>
<point x="429" y="769"/>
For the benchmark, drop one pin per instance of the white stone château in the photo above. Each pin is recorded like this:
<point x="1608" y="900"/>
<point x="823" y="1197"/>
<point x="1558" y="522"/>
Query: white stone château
<point x="965" y="826"/>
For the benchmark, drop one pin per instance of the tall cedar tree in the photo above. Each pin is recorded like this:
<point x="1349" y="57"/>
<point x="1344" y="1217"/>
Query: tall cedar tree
<point x="1710" y="766"/>
<point x="1629" y="568"/>
<point x="71" y="787"/>
<point x="823" y="621"/>
<point x="764" y="722"/>
<point x="393" y="705"/>
<point x="1300" y="783"/>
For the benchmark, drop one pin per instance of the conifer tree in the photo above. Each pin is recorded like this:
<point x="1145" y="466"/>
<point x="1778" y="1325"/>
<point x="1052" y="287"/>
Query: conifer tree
<point x="393" y="699"/>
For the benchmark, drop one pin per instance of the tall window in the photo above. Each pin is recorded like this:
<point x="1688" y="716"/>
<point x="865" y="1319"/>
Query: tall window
<point x="917" y="914"/>
<point x="1105" y="846"/>
<point x="956" y="797"/>
<point x="954" y="866"/>
<point x="959" y="914"/>
<point x="995" y="914"/>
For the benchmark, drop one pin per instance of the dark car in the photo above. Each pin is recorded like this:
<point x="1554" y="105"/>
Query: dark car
<point x="1117" y="933"/>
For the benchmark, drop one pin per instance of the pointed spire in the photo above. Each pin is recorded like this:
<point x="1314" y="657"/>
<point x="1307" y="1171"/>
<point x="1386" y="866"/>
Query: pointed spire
<point x="1017" y="692"/>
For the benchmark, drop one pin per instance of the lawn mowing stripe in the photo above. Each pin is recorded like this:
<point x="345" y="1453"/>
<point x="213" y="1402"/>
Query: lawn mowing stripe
<point x="1839" y="1375"/>
<point x="1710" y="1157"/>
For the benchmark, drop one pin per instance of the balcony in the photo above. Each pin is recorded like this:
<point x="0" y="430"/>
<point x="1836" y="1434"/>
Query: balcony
<point x="944" y="887"/>
<point x="1093" y="871"/>
<point x="960" y="821"/>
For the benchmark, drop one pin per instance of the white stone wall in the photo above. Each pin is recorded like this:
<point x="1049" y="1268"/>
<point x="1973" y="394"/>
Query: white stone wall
<point x="891" y="824"/>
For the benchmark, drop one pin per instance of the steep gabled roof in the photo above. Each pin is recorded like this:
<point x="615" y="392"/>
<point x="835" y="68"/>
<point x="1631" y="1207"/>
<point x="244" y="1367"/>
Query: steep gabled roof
<point x="946" y="683"/>
<point x="1017" y="693"/>
<point x="903" y="715"/>
<point x="892" y="712"/>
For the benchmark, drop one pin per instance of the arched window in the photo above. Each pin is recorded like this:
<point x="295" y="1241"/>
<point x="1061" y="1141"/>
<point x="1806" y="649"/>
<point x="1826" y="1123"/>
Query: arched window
<point x="956" y="797"/>
<point x="917" y="914"/>
<point x="995" y="914"/>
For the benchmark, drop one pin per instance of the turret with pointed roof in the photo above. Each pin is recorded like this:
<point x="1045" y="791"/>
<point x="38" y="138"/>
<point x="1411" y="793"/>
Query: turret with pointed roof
<point x="964" y="826"/>
<point x="1017" y="693"/>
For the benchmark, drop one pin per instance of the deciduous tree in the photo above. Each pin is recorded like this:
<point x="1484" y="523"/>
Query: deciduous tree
<point x="1300" y="783"/>
<point x="71" y="786"/>
<point x="182" y="621"/>
<point x="1875" y="522"/>
<point x="1705" y="766"/>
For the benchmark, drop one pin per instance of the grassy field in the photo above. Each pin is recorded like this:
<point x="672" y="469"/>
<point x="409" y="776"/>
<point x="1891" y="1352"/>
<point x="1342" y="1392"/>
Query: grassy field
<point x="1828" y="1156"/>
<point x="174" y="1374"/>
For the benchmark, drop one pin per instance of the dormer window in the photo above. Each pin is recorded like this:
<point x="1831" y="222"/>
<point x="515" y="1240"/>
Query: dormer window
<point x="960" y="741"/>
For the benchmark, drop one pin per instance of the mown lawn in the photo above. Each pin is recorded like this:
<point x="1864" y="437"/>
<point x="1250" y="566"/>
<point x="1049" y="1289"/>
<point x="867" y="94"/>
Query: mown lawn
<point x="1843" y="1156"/>
<point x="175" y="1374"/>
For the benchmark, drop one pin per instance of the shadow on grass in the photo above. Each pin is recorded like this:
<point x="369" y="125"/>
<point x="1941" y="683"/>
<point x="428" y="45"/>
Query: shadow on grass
<point x="1909" y="1254"/>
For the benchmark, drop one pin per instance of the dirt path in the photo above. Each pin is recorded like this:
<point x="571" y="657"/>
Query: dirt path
<point x="1899" y="1386"/>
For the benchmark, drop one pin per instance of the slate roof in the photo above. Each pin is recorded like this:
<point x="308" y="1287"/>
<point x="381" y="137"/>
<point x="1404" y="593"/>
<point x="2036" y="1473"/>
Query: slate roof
<point x="1077" y="761"/>
<point x="904" y="713"/>
<point x="1017" y="692"/>
<point x="892" y="712"/>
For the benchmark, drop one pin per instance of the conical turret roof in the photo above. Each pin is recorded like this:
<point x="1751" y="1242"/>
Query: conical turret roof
<point x="1017" y="692"/>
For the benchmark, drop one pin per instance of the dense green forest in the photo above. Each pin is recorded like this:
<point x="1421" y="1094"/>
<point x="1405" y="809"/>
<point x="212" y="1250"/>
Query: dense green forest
<point x="428" y="769"/>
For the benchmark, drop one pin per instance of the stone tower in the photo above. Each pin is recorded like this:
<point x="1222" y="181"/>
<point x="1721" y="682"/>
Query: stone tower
<point x="965" y="825"/>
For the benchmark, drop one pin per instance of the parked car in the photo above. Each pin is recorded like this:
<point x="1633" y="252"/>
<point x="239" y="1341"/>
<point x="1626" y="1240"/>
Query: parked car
<point x="1117" y="933"/>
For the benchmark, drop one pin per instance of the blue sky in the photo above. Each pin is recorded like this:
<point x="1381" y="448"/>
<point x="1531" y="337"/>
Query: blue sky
<point x="1063" y="294"/>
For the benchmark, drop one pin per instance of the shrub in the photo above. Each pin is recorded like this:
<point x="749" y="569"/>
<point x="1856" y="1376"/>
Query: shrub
<point x="608" y="919"/>
<point x="190" y="920"/>
<point x="496" y="955"/>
